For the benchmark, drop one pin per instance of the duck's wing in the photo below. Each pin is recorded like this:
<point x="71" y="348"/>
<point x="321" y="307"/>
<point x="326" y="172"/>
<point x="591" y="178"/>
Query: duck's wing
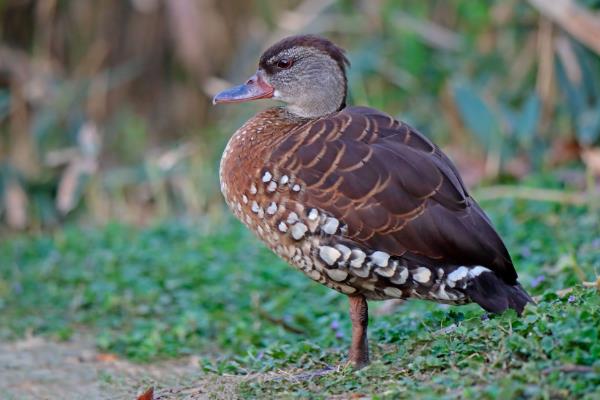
<point x="393" y="190"/>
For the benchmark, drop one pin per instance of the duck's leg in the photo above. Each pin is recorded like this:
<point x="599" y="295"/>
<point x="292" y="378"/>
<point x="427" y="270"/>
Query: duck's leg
<point x="359" y="315"/>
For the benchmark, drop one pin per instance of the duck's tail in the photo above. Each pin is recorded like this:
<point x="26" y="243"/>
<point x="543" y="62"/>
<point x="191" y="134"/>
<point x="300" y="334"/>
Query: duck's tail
<point x="496" y="296"/>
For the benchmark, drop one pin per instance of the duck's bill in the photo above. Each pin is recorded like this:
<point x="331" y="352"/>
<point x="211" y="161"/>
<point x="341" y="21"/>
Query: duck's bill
<point x="255" y="88"/>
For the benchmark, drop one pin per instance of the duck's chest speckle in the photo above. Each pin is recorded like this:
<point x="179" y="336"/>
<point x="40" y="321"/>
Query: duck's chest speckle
<point x="270" y="202"/>
<point x="271" y="205"/>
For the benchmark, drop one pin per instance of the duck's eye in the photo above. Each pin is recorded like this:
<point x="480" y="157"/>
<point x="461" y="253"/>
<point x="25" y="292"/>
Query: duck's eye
<point x="284" y="63"/>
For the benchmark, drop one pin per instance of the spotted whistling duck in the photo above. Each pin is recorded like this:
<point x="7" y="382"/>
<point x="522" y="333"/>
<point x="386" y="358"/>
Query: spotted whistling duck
<point x="355" y="199"/>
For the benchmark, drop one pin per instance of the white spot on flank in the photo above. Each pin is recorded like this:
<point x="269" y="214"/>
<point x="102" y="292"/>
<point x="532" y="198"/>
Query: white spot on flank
<point x="422" y="275"/>
<point x="478" y="270"/>
<point x="267" y="177"/>
<point x="401" y="278"/>
<point x="292" y="217"/>
<point x="282" y="227"/>
<point x="245" y="199"/>
<point x="337" y="275"/>
<point x="345" y="250"/>
<point x="299" y="230"/>
<point x="284" y="179"/>
<point x="272" y="187"/>
<point x="253" y="189"/>
<point x="457" y="275"/>
<point x="329" y="254"/>
<point x="380" y="258"/>
<point x="296" y="188"/>
<point x="358" y="257"/>
<point x="314" y="274"/>
<point x="272" y="209"/>
<point x="393" y="292"/>
<point x="313" y="214"/>
<point x="387" y="272"/>
<point x="441" y="293"/>
<point x="347" y="289"/>
<point x="330" y="226"/>
<point x="255" y="207"/>
<point x="367" y="285"/>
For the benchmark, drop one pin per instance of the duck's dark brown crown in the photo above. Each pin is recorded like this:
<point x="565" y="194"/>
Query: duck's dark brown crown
<point x="317" y="42"/>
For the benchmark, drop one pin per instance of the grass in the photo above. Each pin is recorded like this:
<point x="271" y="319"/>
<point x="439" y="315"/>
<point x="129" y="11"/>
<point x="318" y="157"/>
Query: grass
<point x="197" y="287"/>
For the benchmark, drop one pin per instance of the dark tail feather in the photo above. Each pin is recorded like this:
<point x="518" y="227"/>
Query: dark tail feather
<point x="495" y="295"/>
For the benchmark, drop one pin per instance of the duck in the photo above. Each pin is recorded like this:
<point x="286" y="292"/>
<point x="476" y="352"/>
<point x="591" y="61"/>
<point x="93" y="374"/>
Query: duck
<point x="355" y="199"/>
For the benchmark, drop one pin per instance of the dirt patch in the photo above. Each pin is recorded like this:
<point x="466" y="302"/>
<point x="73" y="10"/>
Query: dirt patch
<point x="36" y="368"/>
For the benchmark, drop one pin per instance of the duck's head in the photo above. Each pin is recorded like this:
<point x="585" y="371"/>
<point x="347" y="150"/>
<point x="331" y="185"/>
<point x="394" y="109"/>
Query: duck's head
<point x="306" y="72"/>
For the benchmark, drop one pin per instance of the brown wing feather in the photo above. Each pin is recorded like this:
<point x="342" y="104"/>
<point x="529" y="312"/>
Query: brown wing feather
<point x="393" y="189"/>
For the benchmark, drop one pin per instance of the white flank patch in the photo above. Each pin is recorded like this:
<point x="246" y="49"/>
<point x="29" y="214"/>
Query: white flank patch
<point x="380" y="258"/>
<point x="329" y="254"/>
<point x="313" y="214"/>
<point x="337" y="275"/>
<point x="393" y="292"/>
<point x="272" y="186"/>
<point x="330" y="226"/>
<point x="292" y="217"/>
<point x="358" y="258"/>
<point x="478" y="270"/>
<point x="255" y="207"/>
<point x="442" y="294"/>
<point x="347" y="289"/>
<point x="402" y="276"/>
<point x="457" y="275"/>
<point x="314" y="274"/>
<point x="267" y="177"/>
<point x="387" y="272"/>
<point x="296" y="188"/>
<point x="345" y="250"/>
<point x="253" y="189"/>
<point x="282" y="227"/>
<point x="284" y="179"/>
<point x="422" y="275"/>
<point x="299" y="230"/>
<point x="245" y="199"/>
<point x="272" y="209"/>
<point x="362" y="272"/>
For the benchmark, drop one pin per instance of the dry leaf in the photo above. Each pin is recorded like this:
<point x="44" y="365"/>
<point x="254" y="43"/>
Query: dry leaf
<point x="106" y="357"/>
<point x="147" y="395"/>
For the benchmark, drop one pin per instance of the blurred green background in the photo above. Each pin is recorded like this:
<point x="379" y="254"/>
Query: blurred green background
<point x="113" y="230"/>
<point x="105" y="106"/>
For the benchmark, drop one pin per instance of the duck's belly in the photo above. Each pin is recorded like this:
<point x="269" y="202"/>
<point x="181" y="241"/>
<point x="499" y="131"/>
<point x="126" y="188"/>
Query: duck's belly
<point x="315" y="243"/>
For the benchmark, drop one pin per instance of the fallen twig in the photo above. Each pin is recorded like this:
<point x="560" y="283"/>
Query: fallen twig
<point x="277" y="321"/>
<point x="569" y="368"/>
<point x="306" y="375"/>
